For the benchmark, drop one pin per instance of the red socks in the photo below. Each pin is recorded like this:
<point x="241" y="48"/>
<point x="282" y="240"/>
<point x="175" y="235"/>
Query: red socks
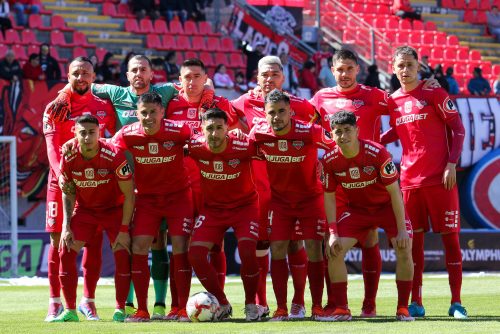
<point x="140" y="277"/>
<point x="371" y="266"/>
<point x="182" y="278"/>
<point x="453" y="256"/>
<point x="122" y="277"/>
<point x="330" y="300"/>
<point x="339" y="295"/>
<point x="68" y="275"/>
<point x="218" y="261"/>
<point x="91" y="263"/>
<point x="279" y="276"/>
<point x="206" y="273"/>
<point x="297" y="263"/>
<point x="263" y="262"/>
<point x="249" y="270"/>
<point x="173" y="284"/>
<point x="404" y="289"/>
<point x="418" y="266"/>
<point x="315" y="272"/>
<point x="53" y="272"/>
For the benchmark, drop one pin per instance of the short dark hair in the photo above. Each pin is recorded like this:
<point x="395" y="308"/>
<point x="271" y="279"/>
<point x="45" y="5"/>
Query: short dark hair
<point x="342" y="117"/>
<point x="140" y="57"/>
<point x="33" y="56"/>
<point x="276" y="96"/>
<point x="449" y="71"/>
<point x="405" y="51"/>
<point x="214" y="113"/>
<point x="193" y="62"/>
<point x="82" y="60"/>
<point x="87" y="118"/>
<point x="150" y="97"/>
<point x="344" y="54"/>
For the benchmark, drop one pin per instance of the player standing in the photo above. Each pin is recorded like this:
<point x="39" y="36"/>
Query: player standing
<point x="98" y="195"/>
<point x="57" y="132"/>
<point x="296" y="207"/>
<point x="431" y="134"/>
<point x="365" y="171"/>
<point x="229" y="200"/>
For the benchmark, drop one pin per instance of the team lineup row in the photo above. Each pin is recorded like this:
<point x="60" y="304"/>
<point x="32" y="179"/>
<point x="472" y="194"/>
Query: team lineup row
<point x="222" y="184"/>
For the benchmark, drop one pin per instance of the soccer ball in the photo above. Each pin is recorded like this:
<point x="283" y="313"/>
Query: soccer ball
<point x="202" y="306"/>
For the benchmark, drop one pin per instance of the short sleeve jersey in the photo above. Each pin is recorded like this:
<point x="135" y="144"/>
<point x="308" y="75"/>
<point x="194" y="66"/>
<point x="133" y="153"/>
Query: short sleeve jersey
<point x="363" y="178"/>
<point x="96" y="180"/>
<point x="291" y="160"/>
<point x="125" y="101"/>
<point x="367" y="103"/>
<point x="419" y="117"/>
<point x="226" y="178"/>
<point x="158" y="159"/>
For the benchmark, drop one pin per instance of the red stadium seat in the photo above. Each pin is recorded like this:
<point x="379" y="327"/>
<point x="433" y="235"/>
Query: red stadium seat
<point x="428" y="38"/>
<point x="55" y="53"/>
<point x="459" y="4"/>
<point x="472" y="4"/>
<point x="450" y="54"/>
<point x="469" y="16"/>
<point x="28" y="37"/>
<point x="370" y="8"/>
<point x="447" y="4"/>
<point x="418" y="25"/>
<point x="486" y="68"/>
<point x="424" y="51"/>
<point x="205" y="29"/>
<point x="168" y="42"/>
<point x="146" y="26"/>
<point x="12" y="37"/>
<point x="109" y="9"/>
<point x="79" y="52"/>
<point x="390" y="35"/>
<point x="198" y="43"/>
<point x="227" y="44"/>
<point x="453" y="40"/>
<point x="405" y="25"/>
<point x="80" y="39"/>
<point x="183" y="43"/>
<point x="485" y="5"/>
<point x="33" y="49"/>
<point x="207" y="59"/>
<point x="481" y="17"/>
<point x="430" y="26"/>
<point x="437" y="54"/>
<point x="440" y="39"/>
<point x="357" y="7"/>
<point x="190" y="55"/>
<point x="496" y="69"/>
<point x="160" y="27"/>
<point x="190" y="28"/>
<point x="123" y="10"/>
<point x="19" y="52"/>
<point x="57" y="38"/>
<point x="460" y="68"/>
<point x="463" y="54"/>
<point x="236" y="60"/>
<point x="402" y="38"/>
<point x="221" y="58"/>
<point x="213" y="44"/>
<point x="153" y="42"/>
<point x="132" y="26"/>
<point x="474" y="55"/>
<point x="383" y="10"/>
<point x="100" y="53"/>
<point x="381" y="23"/>
<point x="415" y="39"/>
<point x="176" y="28"/>
<point x="35" y="22"/>
<point x="57" y="22"/>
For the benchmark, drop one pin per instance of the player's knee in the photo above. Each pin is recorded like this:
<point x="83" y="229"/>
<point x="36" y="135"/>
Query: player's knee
<point x="295" y="245"/>
<point x="246" y="249"/>
<point x="197" y="255"/>
<point x="140" y="246"/>
<point x="371" y="239"/>
<point x="403" y="254"/>
<point x="54" y="239"/>
<point x="179" y="245"/>
<point x="279" y="249"/>
<point x="263" y="245"/>
<point x="314" y="250"/>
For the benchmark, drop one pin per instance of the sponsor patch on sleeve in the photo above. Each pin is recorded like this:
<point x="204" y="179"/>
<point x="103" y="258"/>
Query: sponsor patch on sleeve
<point x="388" y="169"/>
<point x="124" y="171"/>
<point x="449" y="106"/>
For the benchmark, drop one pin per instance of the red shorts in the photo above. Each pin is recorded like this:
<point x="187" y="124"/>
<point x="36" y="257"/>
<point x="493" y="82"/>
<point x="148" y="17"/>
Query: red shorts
<point x="357" y="224"/>
<point x="264" y="199"/>
<point x="436" y="203"/>
<point x="306" y="221"/>
<point x="211" y="225"/>
<point x="54" y="208"/>
<point x="151" y="209"/>
<point x="85" y="224"/>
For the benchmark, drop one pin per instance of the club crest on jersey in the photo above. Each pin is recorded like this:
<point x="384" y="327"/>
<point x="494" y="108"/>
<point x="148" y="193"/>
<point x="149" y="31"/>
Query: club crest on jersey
<point x="449" y="106"/>
<point x="388" y="169"/>
<point x="298" y="144"/>
<point x="283" y="145"/>
<point x="358" y="103"/>
<point x="408" y="106"/>
<point x="191" y="113"/>
<point x="421" y="104"/>
<point x="101" y="114"/>
<point x="368" y="170"/>
<point x="354" y="172"/>
<point x="168" y="145"/>
<point x="153" y="148"/>
<point x="89" y="173"/>
<point x="218" y="166"/>
<point x="102" y="172"/>
<point x="233" y="162"/>
<point x="341" y="103"/>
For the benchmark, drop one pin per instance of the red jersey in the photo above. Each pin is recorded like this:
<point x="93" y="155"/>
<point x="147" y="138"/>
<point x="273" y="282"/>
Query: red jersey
<point x="57" y="133"/>
<point x="226" y="177"/>
<point x="291" y="160"/>
<point x="430" y="131"/>
<point x="362" y="178"/>
<point x="367" y="103"/>
<point x="181" y="110"/>
<point x="158" y="159"/>
<point x="97" y="179"/>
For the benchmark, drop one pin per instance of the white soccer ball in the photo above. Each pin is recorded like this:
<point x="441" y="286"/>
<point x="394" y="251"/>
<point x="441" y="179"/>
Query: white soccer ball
<point x="202" y="306"/>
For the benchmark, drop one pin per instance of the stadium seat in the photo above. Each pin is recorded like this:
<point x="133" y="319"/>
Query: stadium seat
<point x="430" y="26"/>
<point x="496" y="69"/>
<point x="447" y="4"/>
<point x="486" y="68"/>
<point x="207" y="59"/>
<point x="383" y="9"/>
<point x="146" y="26"/>
<point x="205" y="29"/>
<point x="55" y="53"/>
<point x="109" y="9"/>
<point x="190" y="54"/>
<point x="474" y="55"/>
<point x="100" y="53"/>
<point x="380" y="23"/>
<point x="3" y="48"/>
<point x="153" y="42"/>
<point x="463" y="54"/>
<point x="198" y="43"/>
<point x="28" y="37"/>
<point x="428" y="38"/>
<point x="472" y="5"/>
<point x="160" y="27"/>
<point x="417" y="25"/>
<point x="460" y="68"/>
<point x="57" y="38"/>
<point x="79" y="52"/>
<point x="80" y="39"/>
<point x="481" y="17"/>
<point x="168" y="42"/>
<point x="440" y="39"/>
<point x="19" y="51"/>
<point x="452" y="40"/>
<point x="405" y="24"/>
<point x="175" y="28"/>
<point x="390" y="35"/>
<point x="437" y="53"/>
<point x="357" y="7"/>
<point x="57" y="22"/>
<point x="132" y="26"/>
<point x="12" y="37"/>
<point x="221" y="58"/>
<point x="415" y="39"/>
<point x="424" y="51"/>
<point x="391" y="22"/>
<point x="469" y="16"/>
<point x="33" y="49"/>
<point x="236" y="60"/>
<point x="450" y="54"/>
<point x="183" y="43"/>
<point x="227" y="44"/>
<point x="485" y="5"/>
<point x="123" y="10"/>
<point x="370" y="8"/>
<point x="402" y="38"/>
<point x="459" y="4"/>
<point x="35" y="22"/>
<point x="213" y="44"/>
<point x="190" y="28"/>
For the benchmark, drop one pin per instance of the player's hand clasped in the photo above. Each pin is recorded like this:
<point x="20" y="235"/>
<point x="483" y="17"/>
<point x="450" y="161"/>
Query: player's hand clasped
<point x="66" y="238"/>
<point x="402" y="239"/>
<point x="335" y="247"/>
<point x="66" y="186"/>
<point x="122" y="239"/>
<point x="449" y="176"/>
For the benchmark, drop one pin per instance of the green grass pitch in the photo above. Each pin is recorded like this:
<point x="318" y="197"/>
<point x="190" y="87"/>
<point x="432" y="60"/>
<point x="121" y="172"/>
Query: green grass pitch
<point x="23" y="308"/>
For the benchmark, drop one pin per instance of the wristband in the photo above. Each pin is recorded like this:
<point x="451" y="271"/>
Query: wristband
<point x="124" y="228"/>
<point x="332" y="228"/>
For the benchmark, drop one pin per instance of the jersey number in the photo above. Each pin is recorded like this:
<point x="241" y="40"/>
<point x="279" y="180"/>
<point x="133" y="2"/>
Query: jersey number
<point x="199" y="221"/>
<point x="52" y="209"/>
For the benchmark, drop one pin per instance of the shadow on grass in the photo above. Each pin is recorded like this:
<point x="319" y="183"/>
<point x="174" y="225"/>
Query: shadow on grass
<point x="387" y="319"/>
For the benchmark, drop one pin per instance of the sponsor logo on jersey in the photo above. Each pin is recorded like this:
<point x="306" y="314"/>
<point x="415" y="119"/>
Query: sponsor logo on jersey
<point x="124" y="171"/>
<point x="354" y="172"/>
<point x="408" y="107"/>
<point x="205" y="162"/>
<point x="191" y="113"/>
<point x="368" y="170"/>
<point x="219" y="177"/>
<point x="256" y="120"/>
<point x="283" y="145"/>
<point x="358" y="103"/>
<point x="108" y="152"/>
<point x="388" y="169"/>
<point x="358" y="185"/>
<point x="421" y="104"/>
<point x="410" y="118"/>
<point x="101" y="114"/>
<point x="341" y="174"/>
<point x="129" y="113"/>
<point x="153" y="148"/>
<point x="341" y="103"/>
<point x="102" y="172"/>
<point x="140" y="148"/>
<point x="259" y="109"/>
<point x="234" y="162"/>
<point x="285" y="158"/>
<point x="177" y="112"/>
<point x="449" y="106"/>
<point x="298" y="144"/>
<point x="218" y="166"/>
<point x="372" y="148"/>
<point x="89" y="173"/>
<point x="154" y="160"/>
<point x="90" y="184"/>
<point x="168" y="145"/>
<point x="269" y="144"/>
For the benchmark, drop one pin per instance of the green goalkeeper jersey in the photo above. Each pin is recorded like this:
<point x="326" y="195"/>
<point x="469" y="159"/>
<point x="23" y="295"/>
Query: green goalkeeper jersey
<point x="125" y="101"/>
